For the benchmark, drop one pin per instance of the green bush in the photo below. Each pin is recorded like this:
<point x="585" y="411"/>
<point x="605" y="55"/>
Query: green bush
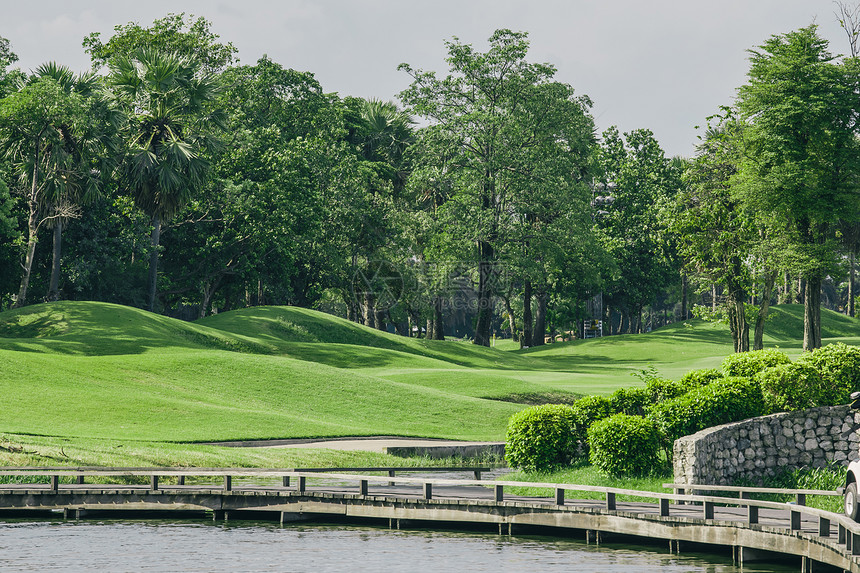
<point x="586" y="411"/>
<point x="623" y="445"/>
<point x="839" y="367"/>
<point x="794" y="386"/>
<point x="631" y="401"/>
<point x="541" y="438"/>
<point x="661" y="389"/>
<point x="748" y="364"/>
<point x="698" y="378"/>
<point x="720" y="402"/>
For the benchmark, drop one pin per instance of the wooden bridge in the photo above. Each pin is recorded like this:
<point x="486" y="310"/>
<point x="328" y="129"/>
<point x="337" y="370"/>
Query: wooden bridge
<point x="752" y="529"/>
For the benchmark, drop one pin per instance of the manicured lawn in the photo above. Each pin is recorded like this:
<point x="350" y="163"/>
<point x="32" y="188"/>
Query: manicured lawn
<point x="96" y="371"/>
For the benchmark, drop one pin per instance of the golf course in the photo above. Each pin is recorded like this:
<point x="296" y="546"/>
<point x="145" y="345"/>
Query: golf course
<point x="103" y="384"/>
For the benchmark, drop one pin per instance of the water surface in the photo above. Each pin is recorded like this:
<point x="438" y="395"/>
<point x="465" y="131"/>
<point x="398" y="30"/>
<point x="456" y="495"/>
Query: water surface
<point x="154" y="545"/>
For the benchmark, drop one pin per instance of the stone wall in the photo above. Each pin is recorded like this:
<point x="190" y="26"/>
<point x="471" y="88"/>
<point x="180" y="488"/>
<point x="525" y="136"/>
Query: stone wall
<point x="764" y="446"/>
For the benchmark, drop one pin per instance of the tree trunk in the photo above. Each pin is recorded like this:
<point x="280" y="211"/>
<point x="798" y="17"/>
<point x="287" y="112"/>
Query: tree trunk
<point x="381" y="322"/>
<point x="54" y="290"/>
<point x="738" y="321"/>
<point x="527" y="316"/>
<point x="32" y="232"/>
<point x="683" y="297"/>
<point x="812" y="314"/>
<point x="369" y="313"/>
<point x="539" y="333"/>
<point x="153" y="261"/>
<point x="511" y="320"/>
<point x="801" y="291"/>
<point x="438" y="324"/>
<point x="851" y="272"/>
<point x="769" y="280"/>
<point x="208" y="290"/>
<point x="486" y="272"/>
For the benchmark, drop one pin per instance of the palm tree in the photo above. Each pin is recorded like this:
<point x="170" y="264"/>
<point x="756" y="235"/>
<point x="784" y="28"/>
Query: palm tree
<point x="88" y="151"/>
<point x="38" y="124"/>
<point x="383" y="133"/>
<point x="164" y="96"/>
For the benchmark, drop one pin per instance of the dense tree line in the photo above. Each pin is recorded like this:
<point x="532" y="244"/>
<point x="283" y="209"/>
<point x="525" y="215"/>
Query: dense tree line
<point x="172" y="178"/>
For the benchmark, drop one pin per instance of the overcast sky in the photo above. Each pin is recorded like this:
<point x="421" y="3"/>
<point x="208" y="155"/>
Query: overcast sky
<point x="664" y="65"/>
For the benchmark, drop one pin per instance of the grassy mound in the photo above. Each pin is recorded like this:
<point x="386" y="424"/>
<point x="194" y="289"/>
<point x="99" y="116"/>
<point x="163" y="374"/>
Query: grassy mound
<point x="94" y="371"/>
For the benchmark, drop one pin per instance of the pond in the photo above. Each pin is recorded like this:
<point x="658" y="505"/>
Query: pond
<point x="156" y="545"/>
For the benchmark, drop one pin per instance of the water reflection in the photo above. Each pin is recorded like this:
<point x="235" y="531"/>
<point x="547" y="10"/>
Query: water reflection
<point x="253" y="546"/>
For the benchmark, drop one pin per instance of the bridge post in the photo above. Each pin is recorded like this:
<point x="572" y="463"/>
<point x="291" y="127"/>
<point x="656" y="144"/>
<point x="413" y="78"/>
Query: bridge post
<point x="855" y="543"/>
<point x="391" y="475"/>
<point x="610" y="500"/>
<point x="286" y="481"/>
<point x="823" y="527"/>
<point x="228" y="483"/>
<point x="559" y="496"/>
<point x="477" y="474"/>
<point x="55" y="484"/>
<point x="428" y="491"/>
<point x="80" y="479"/>
<point x="708" y="510"/>
<point x="795" y="520"/>
<point x="181" y="480"/>
<point x="840" y="535"/>
<point x="752" y="514"/>
<point x="153" y="483"/>
<point x="664" y="508"/>
<point x="801" y="499"/>
<point x="499" y="492"/>
<point x="302" y="483"/>
<point x="362" y="487"/>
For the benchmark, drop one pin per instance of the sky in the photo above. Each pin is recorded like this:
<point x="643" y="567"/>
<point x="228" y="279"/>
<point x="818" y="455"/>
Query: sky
<point x="664" y="65"/>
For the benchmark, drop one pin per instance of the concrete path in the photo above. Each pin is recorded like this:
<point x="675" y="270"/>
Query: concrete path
<point x="394" y="445"/>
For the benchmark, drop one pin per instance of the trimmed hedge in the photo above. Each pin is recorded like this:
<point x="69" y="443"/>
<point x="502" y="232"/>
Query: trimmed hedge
<point x="623" y="445"/>
<point x="586" y="411"/>
<point x="698" y="378"/>
<point x="748" y="364"/>
<point x="541" y="438"/>
<point x="720" y="402"/>
<point x="839" y="367"/>
<point x="661" y="389"/>
<point x="631" y="401"/>
<point x="793" y="386"/>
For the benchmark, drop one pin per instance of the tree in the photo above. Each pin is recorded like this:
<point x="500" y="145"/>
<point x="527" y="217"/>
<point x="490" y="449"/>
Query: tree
<point x="187" y="36"/>
<point x="800" y="154"/>
<point x="634" y="225"/>
<point x="483" y="115"/>
<point x="91" y="153"/>
<point x="718" y="236"/>
<point x="38" y="125"/>
<point x="167" y="126"/>
<point x="8" y="78"/>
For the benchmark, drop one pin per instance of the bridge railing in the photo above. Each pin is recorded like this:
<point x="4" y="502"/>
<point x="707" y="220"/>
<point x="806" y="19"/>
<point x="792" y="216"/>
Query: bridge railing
<point x="848" y="531"/>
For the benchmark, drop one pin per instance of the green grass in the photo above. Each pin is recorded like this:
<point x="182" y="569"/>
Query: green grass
<point x="587" y="475"/>
<point x="95" y="371"/>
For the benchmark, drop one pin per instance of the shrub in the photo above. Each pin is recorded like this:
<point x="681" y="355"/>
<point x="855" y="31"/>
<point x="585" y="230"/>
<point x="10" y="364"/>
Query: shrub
<point x="720" y="402"/>
<point x="631" y="401"/>
<point x="792" y="386"/>
<point x="839" y="367"/>
<point x="541" y="438"/>
<point x="586" y="411"/>
<point x="748" y="364"/>
<point x="698" y="378"/>
<point x="661" y="389"/>
<point x="623" y="445"/>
